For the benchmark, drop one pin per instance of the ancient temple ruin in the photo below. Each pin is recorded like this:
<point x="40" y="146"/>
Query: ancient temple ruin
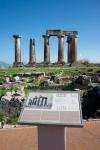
<point x="71" y="48"/>
<point x="72" y="45"/>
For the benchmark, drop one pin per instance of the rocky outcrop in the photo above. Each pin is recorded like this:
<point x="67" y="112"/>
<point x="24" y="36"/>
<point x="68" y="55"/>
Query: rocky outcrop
<point x="91" y="102"/>
<point x="81" y="82"/>
<point x="12" y="102"/>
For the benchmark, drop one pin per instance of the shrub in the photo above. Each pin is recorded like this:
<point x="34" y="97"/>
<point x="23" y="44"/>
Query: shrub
<point x="12" y="119"/>
<point x="90" y="70"/>
<point x="98" y="71"/>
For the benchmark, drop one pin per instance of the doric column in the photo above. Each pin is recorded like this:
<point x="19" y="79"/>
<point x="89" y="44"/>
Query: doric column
<point x="68" y="54"/>
<point x="32" y="54"/>
<point x="46" y="49"/>
<point x="72" y="49"/>
<point x="17" y="50"/>
<point x="60" y="49"/>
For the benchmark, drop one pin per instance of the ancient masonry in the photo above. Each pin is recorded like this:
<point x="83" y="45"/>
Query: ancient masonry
<point x="32" y="59"/>
<point x="72" y="48"/>
<point x="17" y="50"/>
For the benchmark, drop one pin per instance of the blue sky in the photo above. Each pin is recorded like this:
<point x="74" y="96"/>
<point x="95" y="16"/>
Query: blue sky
<point x="31" y="18"/>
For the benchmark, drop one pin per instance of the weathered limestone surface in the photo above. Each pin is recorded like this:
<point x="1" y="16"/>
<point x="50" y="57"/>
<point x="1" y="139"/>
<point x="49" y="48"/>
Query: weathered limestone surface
<point x="60" y="49"/>
<point x="17" y="50"/>
<point x="32" y="60"/>
<point x="72" y="49"/>
<point x="68" y="54"/>
<point x="46" y="49"/>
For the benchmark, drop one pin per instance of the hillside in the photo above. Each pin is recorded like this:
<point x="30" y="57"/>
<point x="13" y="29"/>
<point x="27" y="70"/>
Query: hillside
<point x="4" y="64"/>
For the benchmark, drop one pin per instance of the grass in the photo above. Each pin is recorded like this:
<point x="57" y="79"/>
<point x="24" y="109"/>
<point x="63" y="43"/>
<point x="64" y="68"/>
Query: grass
<point x="12" y="119"/>
<point x="48" y="70"/>
<point x="2" y="91"/>
<point x="8" y="119"/>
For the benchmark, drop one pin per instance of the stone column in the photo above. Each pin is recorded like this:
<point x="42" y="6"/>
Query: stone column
<point x="32" y="54"/>
<point x="60" y="49"/>
<point x="72" y="49"/>
<point x="68" y="54"/>
<point x="46" y="49"/>
<point x="17" y="62"/>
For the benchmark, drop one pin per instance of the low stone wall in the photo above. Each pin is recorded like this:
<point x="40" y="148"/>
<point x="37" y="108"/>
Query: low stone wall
<point x="25" y="138"/>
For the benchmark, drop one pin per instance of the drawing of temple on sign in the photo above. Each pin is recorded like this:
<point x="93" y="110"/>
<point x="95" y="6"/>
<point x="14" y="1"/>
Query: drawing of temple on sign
<point x="52" y="108"/>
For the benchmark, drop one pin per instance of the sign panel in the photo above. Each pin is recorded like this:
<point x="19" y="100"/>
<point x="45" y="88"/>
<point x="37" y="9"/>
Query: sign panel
<point x="55" y="108"/>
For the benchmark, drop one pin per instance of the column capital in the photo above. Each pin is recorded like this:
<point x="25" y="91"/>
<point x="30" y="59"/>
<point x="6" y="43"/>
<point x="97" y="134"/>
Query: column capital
<point x="45" y="36"/>
<point x="32" y="40"/>
<point x="69" y="39"/>
<point x="75" y="36"/>
<point x="60" y="36"/>
<point x="17" y="36"/>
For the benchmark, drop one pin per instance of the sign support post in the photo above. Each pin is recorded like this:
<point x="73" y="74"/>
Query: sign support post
<point x="51" y="137"/>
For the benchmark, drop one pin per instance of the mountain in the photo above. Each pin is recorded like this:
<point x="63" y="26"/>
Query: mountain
<point x="4" y="64"/>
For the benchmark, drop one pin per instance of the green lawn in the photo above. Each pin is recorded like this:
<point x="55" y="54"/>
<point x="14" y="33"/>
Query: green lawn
<point x="9" y="118"/>
<point x="49" y="70"/>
